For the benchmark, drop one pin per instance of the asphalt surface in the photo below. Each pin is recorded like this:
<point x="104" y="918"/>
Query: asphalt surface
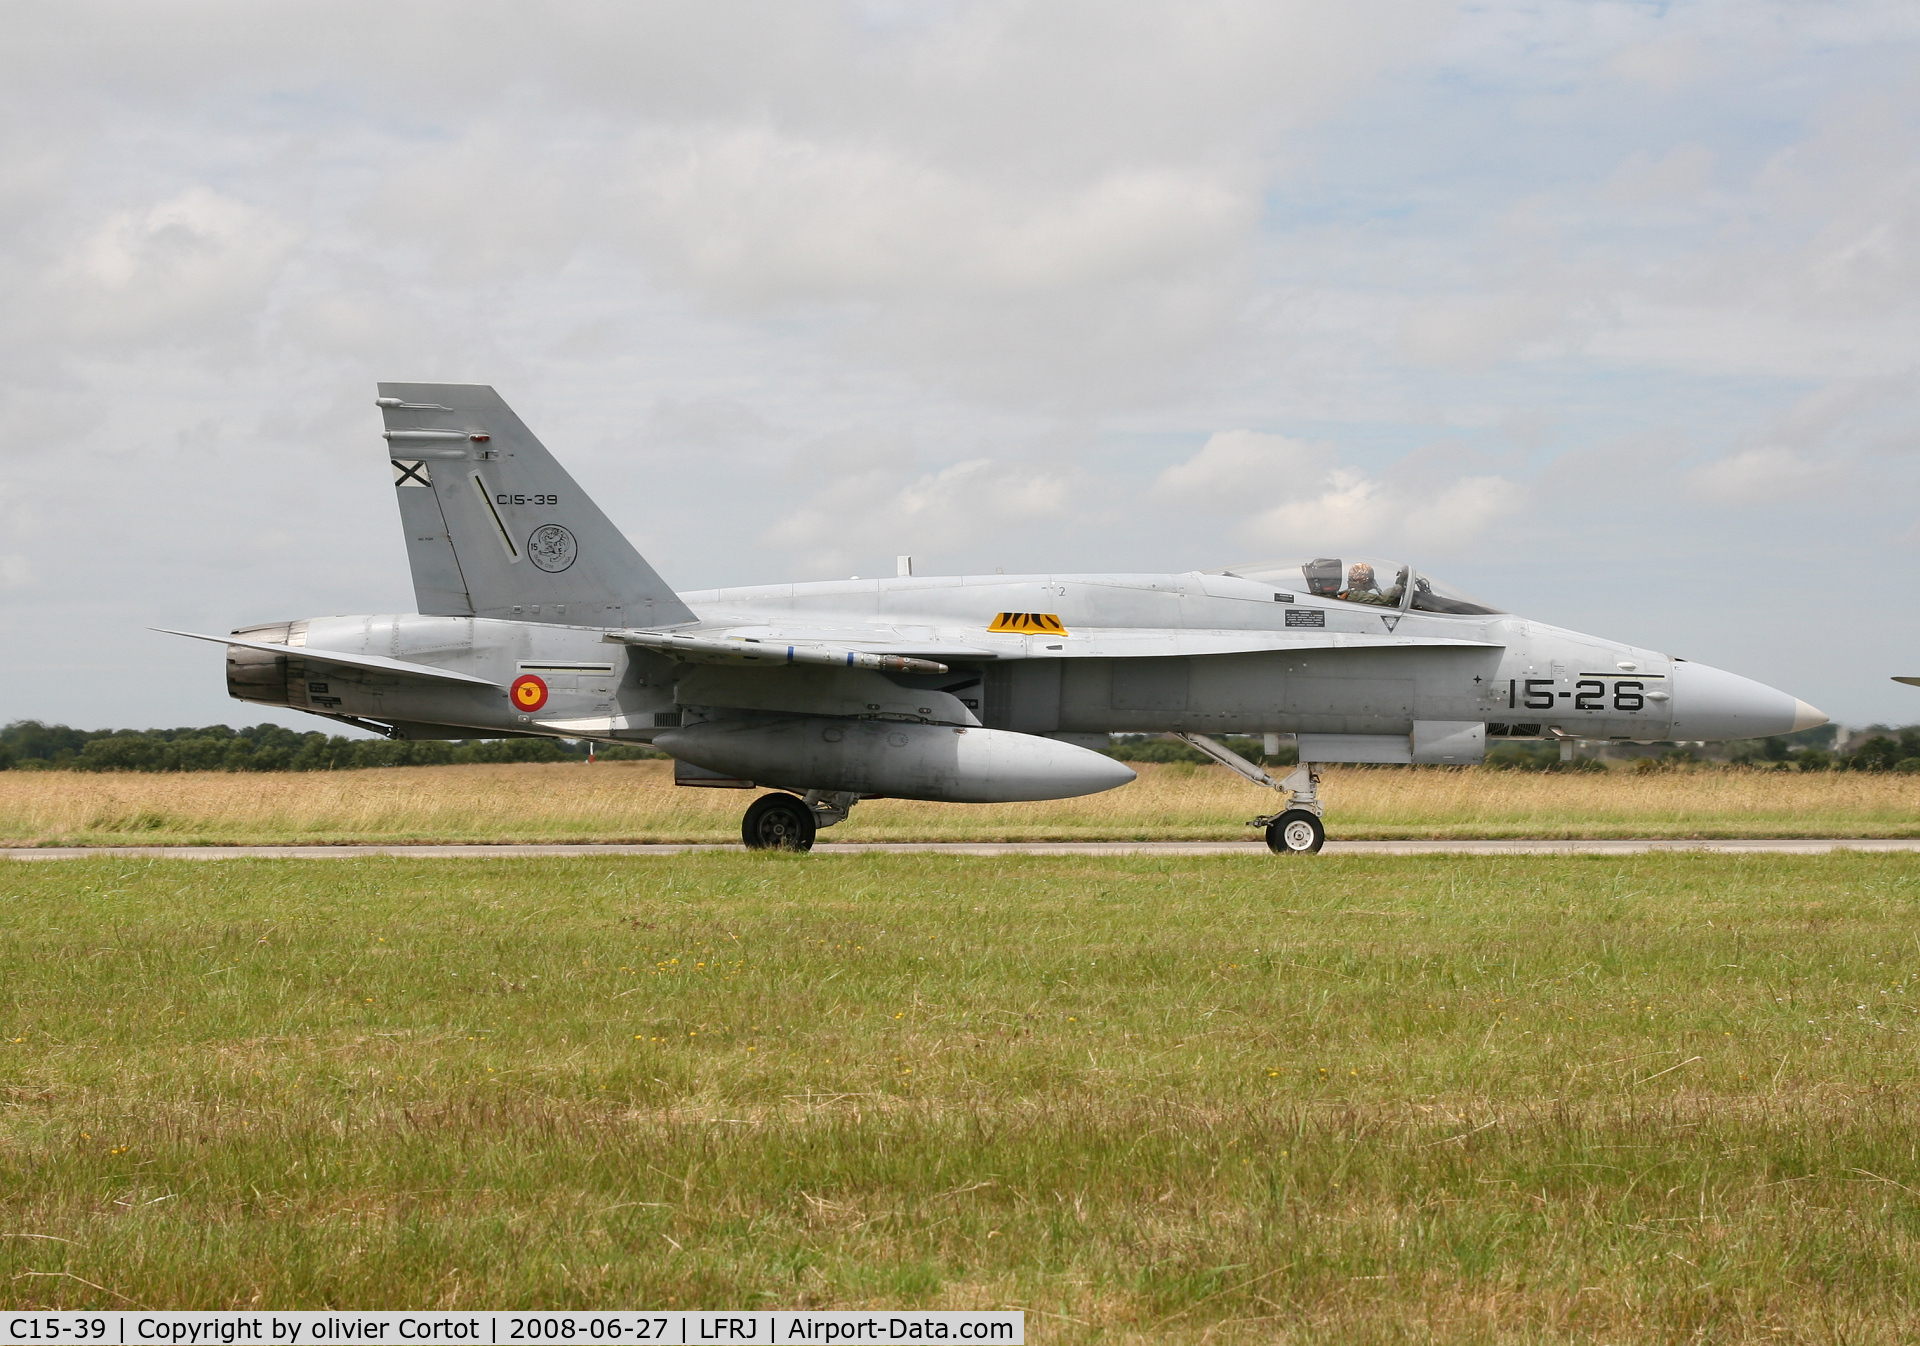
<point x="1784" y="846"/>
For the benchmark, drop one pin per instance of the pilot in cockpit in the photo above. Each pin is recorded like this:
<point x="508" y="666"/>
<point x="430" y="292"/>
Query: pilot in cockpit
<point x="1363" y="588"/>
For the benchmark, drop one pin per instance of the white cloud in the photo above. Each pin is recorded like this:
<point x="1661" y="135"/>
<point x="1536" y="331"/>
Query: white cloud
<point x="1354" y="511"/>
<point x="1815" y="446"/>
<point x="1477" y="332"/>
<point x="193" y="265"/>
<point x="1011" y="283"/>
<point x="678" y="424"/>
<point x="1830" y="409"/>
<point x="1681" y="172"/>
<point x="1665" y="65"/>
<point x="1324" y="503"/>
<point x="757" y="217"/>
<point x="1233" y="463"/>
<point x="1037" y="242"/>
<point x="878" y="513"/>
<point x="1757" y="475"/>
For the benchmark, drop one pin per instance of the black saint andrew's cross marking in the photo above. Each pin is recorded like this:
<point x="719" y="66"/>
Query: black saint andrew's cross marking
<point x="411" y="472"/>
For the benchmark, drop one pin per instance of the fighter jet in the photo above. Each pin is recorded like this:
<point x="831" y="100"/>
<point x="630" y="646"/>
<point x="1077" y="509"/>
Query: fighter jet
<point x="538" y="617"/>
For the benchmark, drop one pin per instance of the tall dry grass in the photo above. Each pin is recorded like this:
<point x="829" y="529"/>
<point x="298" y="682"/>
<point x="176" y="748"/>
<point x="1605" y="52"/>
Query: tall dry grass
<point x="637" y="802"/>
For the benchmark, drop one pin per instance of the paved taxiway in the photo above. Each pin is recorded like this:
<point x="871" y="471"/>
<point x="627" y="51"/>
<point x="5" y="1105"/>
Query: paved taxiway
<point x="1783" y="846"/>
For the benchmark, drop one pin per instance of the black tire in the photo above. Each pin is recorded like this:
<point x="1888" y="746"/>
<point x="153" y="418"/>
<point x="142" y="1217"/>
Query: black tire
<point x="778" y="823"/>
<point x="1296" y="832"/>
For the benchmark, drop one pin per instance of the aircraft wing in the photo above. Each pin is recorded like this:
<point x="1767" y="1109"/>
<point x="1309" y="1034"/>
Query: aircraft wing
<point x="738" y="649"/>
<point x="378" y="663"/>
<point x="1911" y="682"/>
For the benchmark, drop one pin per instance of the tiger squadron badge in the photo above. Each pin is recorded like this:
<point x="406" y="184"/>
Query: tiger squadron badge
<point x="552" y="548"/>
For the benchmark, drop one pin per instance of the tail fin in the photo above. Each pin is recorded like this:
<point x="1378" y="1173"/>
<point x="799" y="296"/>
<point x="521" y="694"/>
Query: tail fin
<point x="496" y="528"/>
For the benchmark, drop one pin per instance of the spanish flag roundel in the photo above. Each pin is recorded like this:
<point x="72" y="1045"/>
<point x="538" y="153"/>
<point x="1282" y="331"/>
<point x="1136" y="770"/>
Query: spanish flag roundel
<point x="528" y="692"/>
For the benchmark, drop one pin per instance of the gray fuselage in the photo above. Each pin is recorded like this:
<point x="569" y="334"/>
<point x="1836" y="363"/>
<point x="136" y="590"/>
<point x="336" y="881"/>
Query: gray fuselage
<point x="1139" y="653"/>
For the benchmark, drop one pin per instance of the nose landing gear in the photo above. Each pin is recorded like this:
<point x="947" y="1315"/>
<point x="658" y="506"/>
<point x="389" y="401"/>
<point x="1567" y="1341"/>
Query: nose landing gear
<point x="1296" y="829"/>
<point x="1295" y="832"/>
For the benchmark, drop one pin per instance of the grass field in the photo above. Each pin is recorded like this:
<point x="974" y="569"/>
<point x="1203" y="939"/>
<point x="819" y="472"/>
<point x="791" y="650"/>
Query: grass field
<point x="1663" y="1098"/>
<point x="636" y="801"/>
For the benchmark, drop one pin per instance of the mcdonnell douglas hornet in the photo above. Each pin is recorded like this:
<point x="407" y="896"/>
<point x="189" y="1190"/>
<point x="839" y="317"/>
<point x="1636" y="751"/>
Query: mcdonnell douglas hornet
<point x="538" y="617"/>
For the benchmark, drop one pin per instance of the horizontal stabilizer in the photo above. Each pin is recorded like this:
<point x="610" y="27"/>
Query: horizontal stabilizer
<point x="375" y="662"/>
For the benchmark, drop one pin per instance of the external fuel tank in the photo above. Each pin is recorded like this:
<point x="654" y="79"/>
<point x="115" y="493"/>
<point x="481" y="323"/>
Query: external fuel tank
<point x="956" y="764"/>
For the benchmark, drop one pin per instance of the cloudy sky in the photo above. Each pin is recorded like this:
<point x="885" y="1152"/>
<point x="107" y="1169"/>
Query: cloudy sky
<point x="1608" y="312"/>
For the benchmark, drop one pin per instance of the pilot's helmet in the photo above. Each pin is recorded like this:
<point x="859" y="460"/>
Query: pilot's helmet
<point x="1360" y="577"/>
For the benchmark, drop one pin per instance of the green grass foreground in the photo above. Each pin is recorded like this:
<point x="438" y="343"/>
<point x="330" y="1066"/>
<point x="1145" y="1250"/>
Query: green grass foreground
<point x="1658" y="1098"/>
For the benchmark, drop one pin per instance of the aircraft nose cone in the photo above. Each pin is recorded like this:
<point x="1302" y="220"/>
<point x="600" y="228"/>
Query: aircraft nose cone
<point x="1806" y="717"/>
<point x="1711" y="703"/>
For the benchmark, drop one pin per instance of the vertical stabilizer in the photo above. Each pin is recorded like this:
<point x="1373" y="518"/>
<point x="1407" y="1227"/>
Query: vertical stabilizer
<point x="496" y="528"/>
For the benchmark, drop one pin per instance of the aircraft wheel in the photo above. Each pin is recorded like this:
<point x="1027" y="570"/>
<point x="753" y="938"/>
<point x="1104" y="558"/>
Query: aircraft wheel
<point x="778" y="822"/>
<point x="1296" y="832"/>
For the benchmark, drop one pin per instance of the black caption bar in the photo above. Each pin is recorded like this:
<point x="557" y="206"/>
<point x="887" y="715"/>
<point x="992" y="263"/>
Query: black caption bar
<point x="120" y="1327"/>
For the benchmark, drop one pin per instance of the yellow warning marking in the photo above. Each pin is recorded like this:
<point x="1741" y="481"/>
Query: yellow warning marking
<point x="1044" y="622"/>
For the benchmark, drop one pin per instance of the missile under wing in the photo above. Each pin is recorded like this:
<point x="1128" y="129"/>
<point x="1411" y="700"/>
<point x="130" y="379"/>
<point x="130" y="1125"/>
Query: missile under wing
<point x="537" y="616"/>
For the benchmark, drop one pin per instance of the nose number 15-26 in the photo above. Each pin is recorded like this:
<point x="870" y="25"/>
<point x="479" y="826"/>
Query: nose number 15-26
<point x="1587" y="694"/>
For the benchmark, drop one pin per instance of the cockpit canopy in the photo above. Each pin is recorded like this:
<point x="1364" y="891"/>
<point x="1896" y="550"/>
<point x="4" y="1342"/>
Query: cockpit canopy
<point x="1361" y="579"/>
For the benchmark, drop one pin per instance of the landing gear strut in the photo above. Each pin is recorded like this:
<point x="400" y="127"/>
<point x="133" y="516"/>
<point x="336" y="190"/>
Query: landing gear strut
<point x="831" y="806"/>
<point x="1296" y="829"/>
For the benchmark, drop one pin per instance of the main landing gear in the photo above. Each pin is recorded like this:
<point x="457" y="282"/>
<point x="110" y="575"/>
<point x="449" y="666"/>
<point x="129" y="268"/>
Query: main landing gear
<point x="1296" y="829"/>
<point x="784" y="822"/>
<point x="778" y="823"/>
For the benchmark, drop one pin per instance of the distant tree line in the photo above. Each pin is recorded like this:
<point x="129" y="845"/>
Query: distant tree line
<point x="1821" y="749"/>
<point x="1817" y="749"/>
<point x="1884" y="749"/>
<point x="30" y="745"/>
